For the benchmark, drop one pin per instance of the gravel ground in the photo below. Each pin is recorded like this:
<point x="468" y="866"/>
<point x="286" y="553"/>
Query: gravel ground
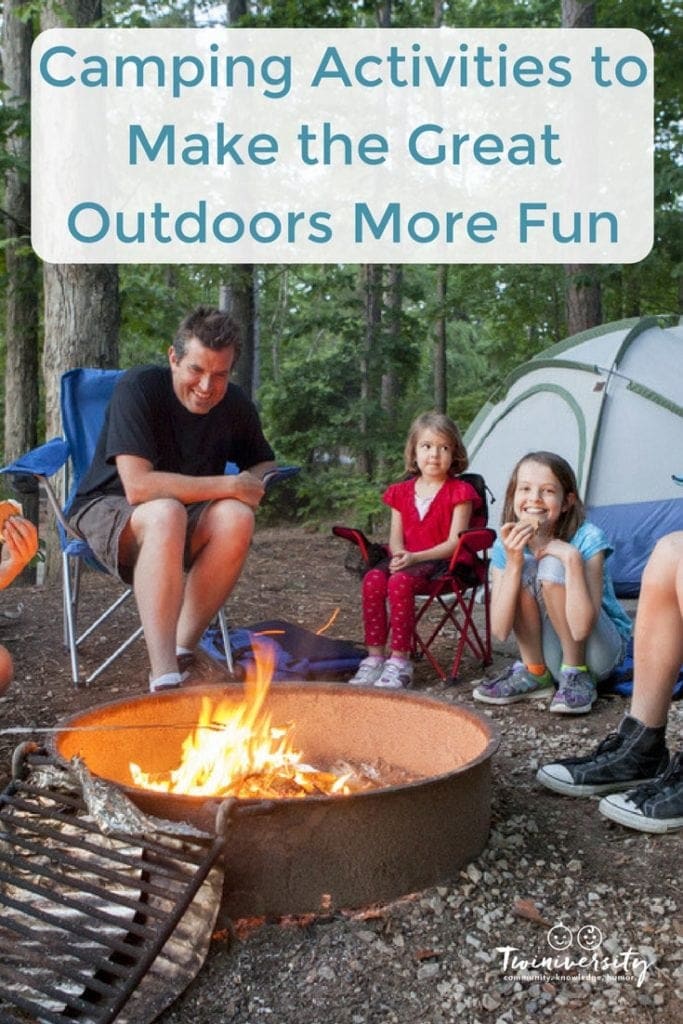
<point x="564" y="916"/>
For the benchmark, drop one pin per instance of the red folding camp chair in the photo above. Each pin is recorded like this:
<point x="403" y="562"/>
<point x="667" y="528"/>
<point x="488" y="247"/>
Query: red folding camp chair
<point x="451" y="597"/>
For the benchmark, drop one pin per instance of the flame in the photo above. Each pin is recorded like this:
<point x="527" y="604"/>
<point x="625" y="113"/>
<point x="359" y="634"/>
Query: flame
<point x="235" y="750"/>
<point x="330" y="621"/>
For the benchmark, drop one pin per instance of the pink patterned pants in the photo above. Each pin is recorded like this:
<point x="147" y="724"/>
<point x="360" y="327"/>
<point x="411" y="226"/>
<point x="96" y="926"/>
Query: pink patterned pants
<point x="397" y="590"/>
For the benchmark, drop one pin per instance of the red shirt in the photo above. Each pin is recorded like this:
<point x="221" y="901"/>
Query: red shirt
<point x="421" y="534"/>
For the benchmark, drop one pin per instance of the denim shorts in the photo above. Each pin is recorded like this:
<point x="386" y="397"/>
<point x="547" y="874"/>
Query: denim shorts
<point x="605" y="647"/>
<point x="102" y="521"/>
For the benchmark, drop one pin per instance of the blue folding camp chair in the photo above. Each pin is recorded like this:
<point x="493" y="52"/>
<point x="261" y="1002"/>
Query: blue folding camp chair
<point x="85" y="394"/>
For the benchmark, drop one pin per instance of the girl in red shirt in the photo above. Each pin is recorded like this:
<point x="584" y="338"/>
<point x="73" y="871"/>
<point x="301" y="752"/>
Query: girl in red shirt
<point x="428" y="511"/>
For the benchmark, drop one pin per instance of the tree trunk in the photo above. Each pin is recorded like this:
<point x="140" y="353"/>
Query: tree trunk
<point x="21" y="265"/>
<point x="583" y="295"/>
<point x="578" y="14"/>
<point x="236" y="9"/>
<point x="440" y="370"/>
<point x="384" y="13"/>
<point x="81" y="326"/>
<point x="237" y="293"/>
<point x="371" y="278"/>
<point x="81" y="300"/>
<point x="237" y="296"/>
<point x="391" y="336"/>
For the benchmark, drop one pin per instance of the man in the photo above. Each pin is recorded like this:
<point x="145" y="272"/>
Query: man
<point x="636" y="758"/>
<point x="156" y="503"/>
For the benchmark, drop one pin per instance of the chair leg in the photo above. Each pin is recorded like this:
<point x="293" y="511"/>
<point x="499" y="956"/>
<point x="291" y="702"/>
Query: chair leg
<point x="71" y="581"/>
<point x="470" y="636"/>
<point x="104" y="616"/>
<point x="112" y="657"/>
<point x="423" y="647"/>
<point x="69" y="598"/>
<point x="466" y="630"/>
<point x="225" y="636"/>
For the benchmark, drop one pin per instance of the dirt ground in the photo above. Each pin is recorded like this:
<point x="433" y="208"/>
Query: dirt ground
<point x="433" y="956"/>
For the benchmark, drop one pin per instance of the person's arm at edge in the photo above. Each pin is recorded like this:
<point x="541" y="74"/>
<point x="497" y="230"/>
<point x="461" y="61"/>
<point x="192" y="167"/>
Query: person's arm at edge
<point x="21" y="539"/>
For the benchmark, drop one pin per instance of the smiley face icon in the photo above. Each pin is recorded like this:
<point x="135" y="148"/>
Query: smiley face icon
<point x="560" y="936"/>
<point x="589" y="937"/>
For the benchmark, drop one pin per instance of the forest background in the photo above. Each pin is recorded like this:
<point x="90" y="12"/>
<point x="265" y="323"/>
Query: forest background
<point x="339" y="358"/>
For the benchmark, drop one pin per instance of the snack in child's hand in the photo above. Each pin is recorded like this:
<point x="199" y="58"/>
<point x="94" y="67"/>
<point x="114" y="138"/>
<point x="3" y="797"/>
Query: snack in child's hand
<point x="533" y="521"/>
<point x="8" y="508"/>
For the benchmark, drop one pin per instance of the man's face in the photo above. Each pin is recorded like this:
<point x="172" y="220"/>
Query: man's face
<point x="200" y="377"/>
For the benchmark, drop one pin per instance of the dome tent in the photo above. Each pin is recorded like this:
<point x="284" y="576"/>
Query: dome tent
<point x="610" y="401"/>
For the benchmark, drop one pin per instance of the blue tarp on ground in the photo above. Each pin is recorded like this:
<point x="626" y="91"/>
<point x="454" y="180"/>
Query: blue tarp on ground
<point x="621" y="680"/>
<point x="299" y="654"/>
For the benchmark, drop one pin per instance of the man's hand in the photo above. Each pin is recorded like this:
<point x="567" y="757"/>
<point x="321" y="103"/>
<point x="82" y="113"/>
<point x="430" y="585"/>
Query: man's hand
<point x="248" y="488"/>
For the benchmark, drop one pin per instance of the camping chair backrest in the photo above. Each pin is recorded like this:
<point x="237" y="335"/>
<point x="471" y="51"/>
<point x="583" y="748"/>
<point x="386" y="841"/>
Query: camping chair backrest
<point x="85" y="395"/>
<point x="477" y="481"/>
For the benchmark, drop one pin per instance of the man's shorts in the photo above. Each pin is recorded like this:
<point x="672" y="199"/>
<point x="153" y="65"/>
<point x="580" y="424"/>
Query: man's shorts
<point x="104" y="519"/>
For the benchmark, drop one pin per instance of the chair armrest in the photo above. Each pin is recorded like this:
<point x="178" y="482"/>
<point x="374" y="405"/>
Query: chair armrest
<point x="43" y="461"/>
<point x="371" y="552"/>
<point x="471" y="544"/>
<point x="274" y="476"/>
<point x="354" y="536"/>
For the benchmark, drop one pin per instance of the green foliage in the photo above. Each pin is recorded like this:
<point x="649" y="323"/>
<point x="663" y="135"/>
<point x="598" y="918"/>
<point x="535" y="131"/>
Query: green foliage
<point x="318" y="370"/>
<point x="15" y="121"/>
<point x="503" y="13"/>
<point x="328" y="493"/>
<point x="328" y="399"/>
<point x="301" y="14"/>
<point x="154" y="300"/>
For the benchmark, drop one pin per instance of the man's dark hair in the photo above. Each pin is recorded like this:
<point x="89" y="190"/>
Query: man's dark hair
<point x="214" y="328"/>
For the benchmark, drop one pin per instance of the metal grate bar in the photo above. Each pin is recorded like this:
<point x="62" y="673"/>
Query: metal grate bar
<point x="94" y="890"/>
<point x="81" y="906"/>
<point x="35" y="827"/>
<point x="98" y="958"/>
<point x="30" y="1007"/>
<point x="192" y="856"/>
<point x="110" y="943"/>
<point x="50" y="946"/>
<point x="74" y="1002"/>
<point x="70" y="861"/>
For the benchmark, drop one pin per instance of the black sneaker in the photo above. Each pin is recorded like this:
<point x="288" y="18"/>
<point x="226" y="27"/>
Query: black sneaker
<point x="655" y="806"/>
<point x="625" y="759"/>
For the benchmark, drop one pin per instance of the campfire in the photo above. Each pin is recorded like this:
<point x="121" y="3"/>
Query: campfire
<point x="396" y="784"/>
<point x="235" y="750"/>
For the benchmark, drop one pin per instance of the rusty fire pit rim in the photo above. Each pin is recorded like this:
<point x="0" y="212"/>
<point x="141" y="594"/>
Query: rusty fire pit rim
<point x="489" y="727"/>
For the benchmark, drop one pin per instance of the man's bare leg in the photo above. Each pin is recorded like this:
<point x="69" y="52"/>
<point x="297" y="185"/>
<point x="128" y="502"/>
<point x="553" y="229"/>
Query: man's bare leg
<point x="220" y="544"/>
<point x="658" y="641"/>
<point x="153" y="542"/>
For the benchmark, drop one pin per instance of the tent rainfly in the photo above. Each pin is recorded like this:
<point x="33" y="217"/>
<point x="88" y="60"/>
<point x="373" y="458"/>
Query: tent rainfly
<point x="610" y="400"/>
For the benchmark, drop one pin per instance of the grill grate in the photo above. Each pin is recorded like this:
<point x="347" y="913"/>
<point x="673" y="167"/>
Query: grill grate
<point x="84" y="915"/>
